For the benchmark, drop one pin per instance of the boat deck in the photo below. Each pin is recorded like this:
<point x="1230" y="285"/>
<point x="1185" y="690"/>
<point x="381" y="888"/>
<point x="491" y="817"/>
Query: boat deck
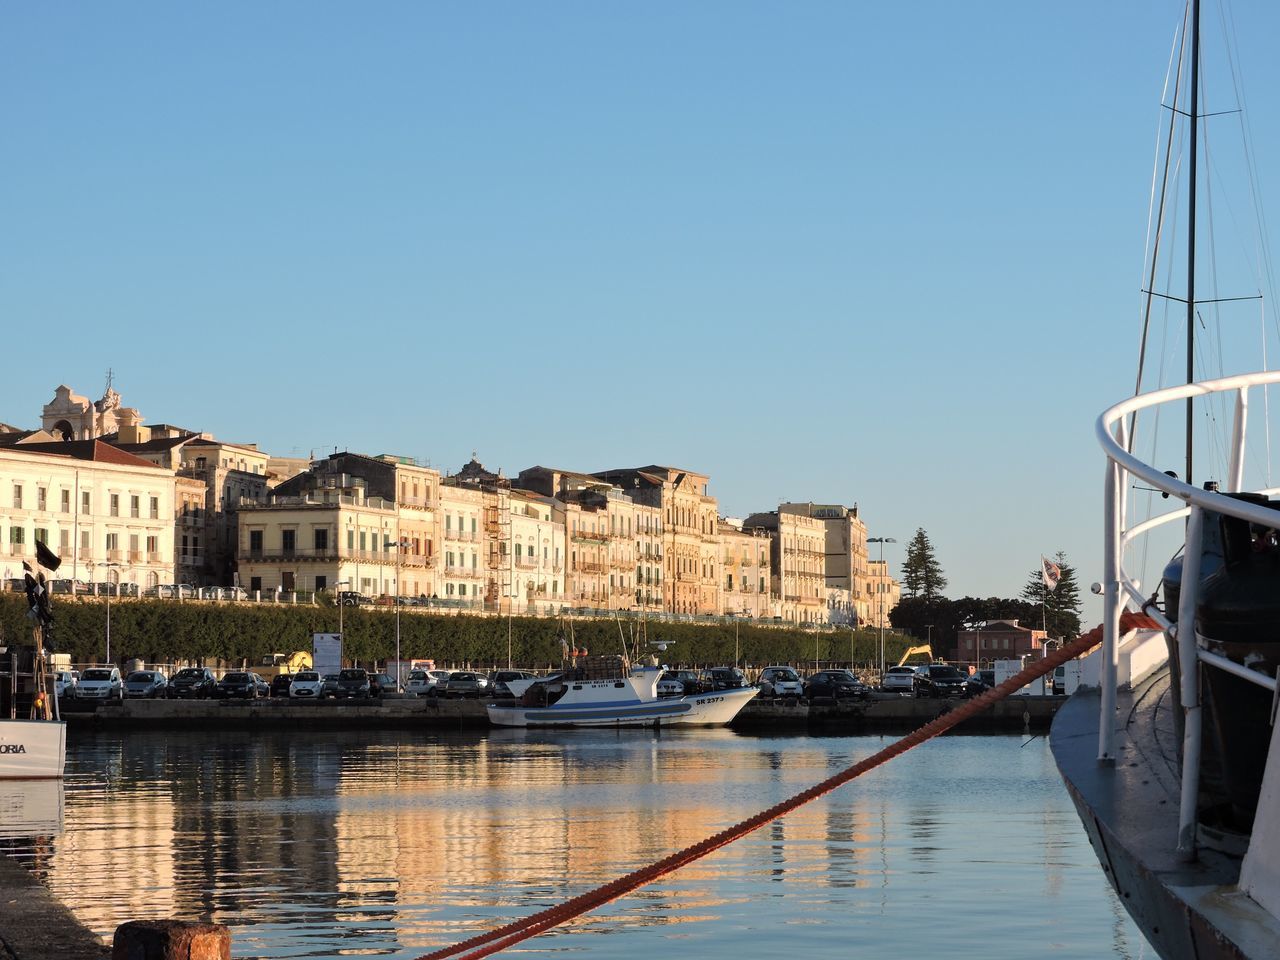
<point x="1130" y="811"/>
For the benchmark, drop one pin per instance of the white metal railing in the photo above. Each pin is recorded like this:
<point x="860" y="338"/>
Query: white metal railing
<point x="1117" y="587"/>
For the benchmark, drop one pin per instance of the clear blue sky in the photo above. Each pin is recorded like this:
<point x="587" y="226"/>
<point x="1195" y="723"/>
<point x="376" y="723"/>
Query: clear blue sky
<point x="883" y="253"/>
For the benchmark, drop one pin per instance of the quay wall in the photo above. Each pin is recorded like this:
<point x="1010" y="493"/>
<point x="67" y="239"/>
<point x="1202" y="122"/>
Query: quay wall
<point x="890" y="713"/>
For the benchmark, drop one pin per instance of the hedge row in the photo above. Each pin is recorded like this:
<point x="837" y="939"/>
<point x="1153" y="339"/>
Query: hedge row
<point x="165" y="631"/>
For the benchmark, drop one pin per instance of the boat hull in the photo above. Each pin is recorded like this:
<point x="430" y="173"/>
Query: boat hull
<point x="32" y="749"/>
<point x="704" y="709"/>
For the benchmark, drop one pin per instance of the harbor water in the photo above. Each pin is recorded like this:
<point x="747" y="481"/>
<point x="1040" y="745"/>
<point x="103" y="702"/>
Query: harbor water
<point x="394" y="843"/>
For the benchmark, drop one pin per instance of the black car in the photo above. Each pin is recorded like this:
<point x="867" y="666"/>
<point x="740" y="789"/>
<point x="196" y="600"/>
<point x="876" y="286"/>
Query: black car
<point x="352" y="598"/>
<point x="940" y="680"/>
<point x="192" y="683"/>
<point x="835" y="685"/>
<point x="330" y="688"/>
<point x="280" y="684"/>
<point x="724" y="678"/>
<point x="352" y="682"/>
<point x="243" y="685"/>
<point x="381" y="683"/>
<point x="498" y="681"/>
<point x="979" y="683"/>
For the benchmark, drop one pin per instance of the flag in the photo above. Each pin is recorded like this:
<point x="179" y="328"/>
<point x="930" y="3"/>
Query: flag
<point x="1050" y="573"/>
<point x="46" y="557"/>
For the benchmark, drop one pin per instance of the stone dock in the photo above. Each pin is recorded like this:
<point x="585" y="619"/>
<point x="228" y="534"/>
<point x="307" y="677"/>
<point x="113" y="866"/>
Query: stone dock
<point x="881" y="712"/>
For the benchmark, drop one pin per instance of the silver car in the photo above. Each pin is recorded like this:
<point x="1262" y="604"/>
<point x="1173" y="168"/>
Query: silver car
<point x="780" y="682"/>
<point x="145" y="684"/>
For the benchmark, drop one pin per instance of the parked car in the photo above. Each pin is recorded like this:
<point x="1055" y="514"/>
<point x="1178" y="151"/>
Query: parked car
<point x="306" y="685"/>
<point x="835" y="685"/>
<point x="725" y="678"/>
<point x="691" y="679"/>
<point x="670" y="685"/>
<point x="64" y="684"/>
<point x="352" y="682"/>
<point x="422" y="683"/>
<point x="210" y="593"/>
<point x="100" y="683"/>
<point x="498" y="681"/>
<point x="940" y="680"/>
<point x="330" y="688"/>
<point x="145" y="684"/>
<point x="464" y="683"/>
<point x="352" y="598"/>
<point x="70" y="586"/>
<point x="899" y="680"/>
<point x="381" y="683"/>
<point x="780" y="682"/>
<point x="280" y="684"/>
<point x="243" y="685"/>
<point x="192" y="683"/>
<point x="979" y="682"/>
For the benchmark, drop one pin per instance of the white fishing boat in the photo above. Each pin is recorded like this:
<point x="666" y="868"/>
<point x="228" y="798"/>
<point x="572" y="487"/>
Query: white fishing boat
<point x="612" y="696"/>
<point x="32" y="749"/>
<point x="1171" y="751"/>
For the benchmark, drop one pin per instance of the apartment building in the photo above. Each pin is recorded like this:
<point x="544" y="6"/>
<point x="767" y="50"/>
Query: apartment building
<point x="797" y="554"/>
<point x="536" y="558"/>
<point x="885" y="592"/>
<point x="846" y="587"/>
<point x="746" y="570"/>
<point x="464" y="569"/>
<point x="108" y="514"/>
<point x="351" y="522"/>
<point x="691" y="550"/>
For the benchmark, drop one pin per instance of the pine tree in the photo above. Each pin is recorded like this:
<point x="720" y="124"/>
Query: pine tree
<point x="921" y="572"/>
<point x="1061" y="610"/>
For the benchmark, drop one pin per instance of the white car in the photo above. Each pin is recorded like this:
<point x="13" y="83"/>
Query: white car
<point x="100" y="683"/>
<point x="306" y="685"/>
<point x="64" y="683"/>
<point x="421" y="683"/>
<point x="899" y="680"/>
<point x="780" y="682"/>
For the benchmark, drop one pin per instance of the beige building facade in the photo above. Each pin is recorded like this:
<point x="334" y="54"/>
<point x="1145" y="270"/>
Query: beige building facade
<point x="108" y="514"/>
<point x="885" y="592"/>
<point x="746" y="570"/>
<point x="846" y="588"/>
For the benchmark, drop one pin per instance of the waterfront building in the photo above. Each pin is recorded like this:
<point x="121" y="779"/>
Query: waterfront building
<point x="586" y="523"/>
<point x="885" y="592"/>
<point x="646" y="534"/>
<point x="691" y="548"/>
<point x="536" y="556"/>
<point x="189" y="536"/>
<point x="107" y="513"/>
<point x="999" y="640"/>
<point x="846" y="587"/>
<point x="745" y="563"/>
<point x="463" y="575"/>
<point x="351" y="522"/>
<point x="797" y="554"/>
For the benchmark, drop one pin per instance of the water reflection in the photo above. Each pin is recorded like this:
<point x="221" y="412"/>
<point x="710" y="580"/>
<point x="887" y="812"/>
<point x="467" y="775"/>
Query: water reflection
<point x="393" y="843"/>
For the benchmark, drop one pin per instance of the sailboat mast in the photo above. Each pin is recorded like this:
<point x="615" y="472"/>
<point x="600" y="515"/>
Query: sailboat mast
<point x="1191" y="216"/>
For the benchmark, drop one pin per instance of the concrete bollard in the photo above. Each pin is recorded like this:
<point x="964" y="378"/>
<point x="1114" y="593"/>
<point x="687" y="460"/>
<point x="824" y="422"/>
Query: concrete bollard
<point x="171" y="940"/>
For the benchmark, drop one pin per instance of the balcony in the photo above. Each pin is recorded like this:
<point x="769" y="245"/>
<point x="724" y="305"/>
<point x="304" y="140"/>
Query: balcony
<point x="465" y="536"/>
<point x="588" y="566"/>
<point x="135" y="556"/>
<point x="115" y="555"/>
<point x="589" y="536"/>
<point x="463" y="573"/>
<point x="527" y="563"/>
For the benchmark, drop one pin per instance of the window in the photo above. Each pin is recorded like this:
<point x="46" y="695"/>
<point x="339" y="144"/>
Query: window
<point x="17" y="496"/>
<point x="155" y="508"/>
<point x="255" y="542"/>
<point x="66" y="501"/>
<point x="153" y="548"/>
<point x="113" y="543"/>
<point x="42" y="496"/>
<point x="287" y="538"/>
<point x="84" y="501"/>
<point x="64" y="541"/>
<point x="255" y="583"/>
<point x="462" y="589"/>
<point x="321" y="582"/>
<point x="473" y="526"/>
<point x="115" y="505"/>
<point x="351" y="539"/>
<point x="322" y="542"/>
<point x="519" y="548"/>
<point x="134" y="510"/>
<point x="364" y="540"/>
<point x="17" y="537"/>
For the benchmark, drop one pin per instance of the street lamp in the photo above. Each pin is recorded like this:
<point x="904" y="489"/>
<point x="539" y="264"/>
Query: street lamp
<point x="880" y="596"/>
<point x="400" y="546"/>
<point x="108" y="563"/>
<point x="341" y="604"/>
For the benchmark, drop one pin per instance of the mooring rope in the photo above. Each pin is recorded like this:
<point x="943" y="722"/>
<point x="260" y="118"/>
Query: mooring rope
<point x="485" y="944"/>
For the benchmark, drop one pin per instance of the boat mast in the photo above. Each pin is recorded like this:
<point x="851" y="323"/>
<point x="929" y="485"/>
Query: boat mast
<point x="1191" y="216"/>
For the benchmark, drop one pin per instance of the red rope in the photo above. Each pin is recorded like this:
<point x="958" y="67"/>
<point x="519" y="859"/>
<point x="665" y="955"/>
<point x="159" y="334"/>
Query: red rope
<point x="482" y="945"/>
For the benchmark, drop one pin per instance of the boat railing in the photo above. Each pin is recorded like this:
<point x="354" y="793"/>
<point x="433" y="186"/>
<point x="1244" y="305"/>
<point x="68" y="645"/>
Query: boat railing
<point x="1119" y="588"/>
